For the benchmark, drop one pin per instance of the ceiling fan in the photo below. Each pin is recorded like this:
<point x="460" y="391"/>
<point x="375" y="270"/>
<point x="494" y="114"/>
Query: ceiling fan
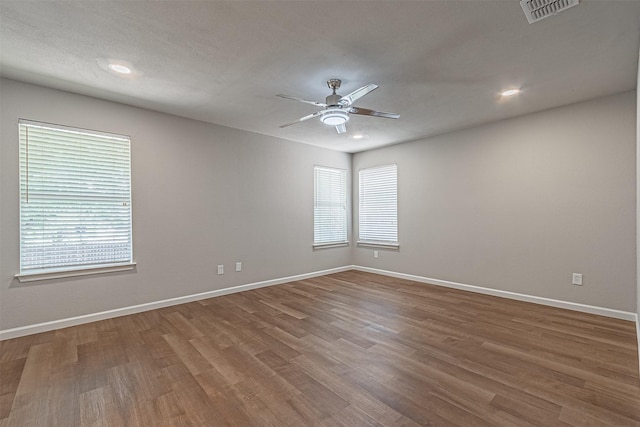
<point x="337" y="107"/>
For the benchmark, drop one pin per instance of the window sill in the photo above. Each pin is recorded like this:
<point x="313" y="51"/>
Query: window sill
<point x="80" y="271"/>
<point x="379" y="245"/>
<point x="329" y="245"/>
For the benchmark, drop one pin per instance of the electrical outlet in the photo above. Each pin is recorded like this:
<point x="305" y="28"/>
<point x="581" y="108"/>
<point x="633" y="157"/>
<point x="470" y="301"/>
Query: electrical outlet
<point x="238" y="266"/>
<point x="375" y="254"/>
<point x="221" y="269"/>
<point x="576" y="279"/>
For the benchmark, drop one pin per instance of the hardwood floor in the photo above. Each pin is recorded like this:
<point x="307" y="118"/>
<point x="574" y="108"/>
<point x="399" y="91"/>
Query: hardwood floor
<point x="348" y="349"/>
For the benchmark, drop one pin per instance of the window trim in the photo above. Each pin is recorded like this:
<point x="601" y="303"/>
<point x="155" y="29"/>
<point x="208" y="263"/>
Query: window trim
<point x="337" y="243"/>
<point x="377" y="244"/>
<point x="317" y="246"/>
<point x="75" y="270"/>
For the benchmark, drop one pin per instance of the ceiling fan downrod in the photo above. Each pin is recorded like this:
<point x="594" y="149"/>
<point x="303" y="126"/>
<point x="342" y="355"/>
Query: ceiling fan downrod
<point x="334" y="84"/>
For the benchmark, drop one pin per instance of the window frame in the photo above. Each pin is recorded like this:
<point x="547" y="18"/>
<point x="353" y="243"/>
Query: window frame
<point x="34" y="273"/>
<point x="377" y="243"/>
<point x="345" y="206"/>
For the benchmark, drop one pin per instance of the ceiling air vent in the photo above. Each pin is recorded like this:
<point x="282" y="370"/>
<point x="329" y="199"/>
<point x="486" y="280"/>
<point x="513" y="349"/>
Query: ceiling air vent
<point x="536" y="10"/>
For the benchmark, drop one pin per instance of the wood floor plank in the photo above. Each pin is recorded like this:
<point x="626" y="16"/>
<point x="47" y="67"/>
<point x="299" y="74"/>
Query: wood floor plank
<point x="37" y="370"/>
<point x="346" y="349"/>
<point x="188" y="354"/>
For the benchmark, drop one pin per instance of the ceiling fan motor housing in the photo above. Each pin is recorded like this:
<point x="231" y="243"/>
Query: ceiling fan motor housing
<point x="334" y="84"/>
<point x="332" y="100"/>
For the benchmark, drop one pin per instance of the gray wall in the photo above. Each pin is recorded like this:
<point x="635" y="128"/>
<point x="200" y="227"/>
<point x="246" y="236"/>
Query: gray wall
<point x="521" y="204"/>
<point x="202" y="195"/>
<point x="638" y="207"/>
<point x="516" y="205"/>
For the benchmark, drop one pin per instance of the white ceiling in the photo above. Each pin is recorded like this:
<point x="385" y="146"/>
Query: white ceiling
<point x="439" y="64"/>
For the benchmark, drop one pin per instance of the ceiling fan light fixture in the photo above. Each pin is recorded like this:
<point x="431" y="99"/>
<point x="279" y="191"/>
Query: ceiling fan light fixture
<point x="334" y="117"/>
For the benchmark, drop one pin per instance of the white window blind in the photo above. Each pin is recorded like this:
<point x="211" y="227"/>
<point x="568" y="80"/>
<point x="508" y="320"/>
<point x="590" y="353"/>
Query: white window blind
<point x="75" y="198"/>
<point x="378" y="213"/>
<point x="330" y="206"/>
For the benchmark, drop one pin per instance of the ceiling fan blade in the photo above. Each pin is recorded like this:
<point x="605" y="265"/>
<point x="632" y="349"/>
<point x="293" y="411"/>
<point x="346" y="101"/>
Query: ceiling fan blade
<point x="319" y="104"/>
<point x="341" y="128"/>
<point x="367" y="112"/>
<point x="357" y="94"/>
<point x="302" y="119"/>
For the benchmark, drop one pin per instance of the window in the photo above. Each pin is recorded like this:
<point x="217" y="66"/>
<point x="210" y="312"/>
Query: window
<point x="329" y="207"/>
<point x="378" y="212"/>
<point x="75" y="201"/>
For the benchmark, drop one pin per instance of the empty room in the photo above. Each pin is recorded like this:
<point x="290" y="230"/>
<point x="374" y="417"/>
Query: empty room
<point x="319" y="213"/>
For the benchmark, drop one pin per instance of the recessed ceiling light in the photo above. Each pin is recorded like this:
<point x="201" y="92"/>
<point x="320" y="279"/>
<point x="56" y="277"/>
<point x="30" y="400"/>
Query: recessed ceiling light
<point x="358" y="136"/>
<point x="510" y="92"/>
<point x="119" y="68"/>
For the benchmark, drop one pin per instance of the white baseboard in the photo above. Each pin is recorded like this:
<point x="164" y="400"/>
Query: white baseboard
<point x="608" y="312"/>
<point x="638" y="337"/>
<point x="93" y="317"/>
